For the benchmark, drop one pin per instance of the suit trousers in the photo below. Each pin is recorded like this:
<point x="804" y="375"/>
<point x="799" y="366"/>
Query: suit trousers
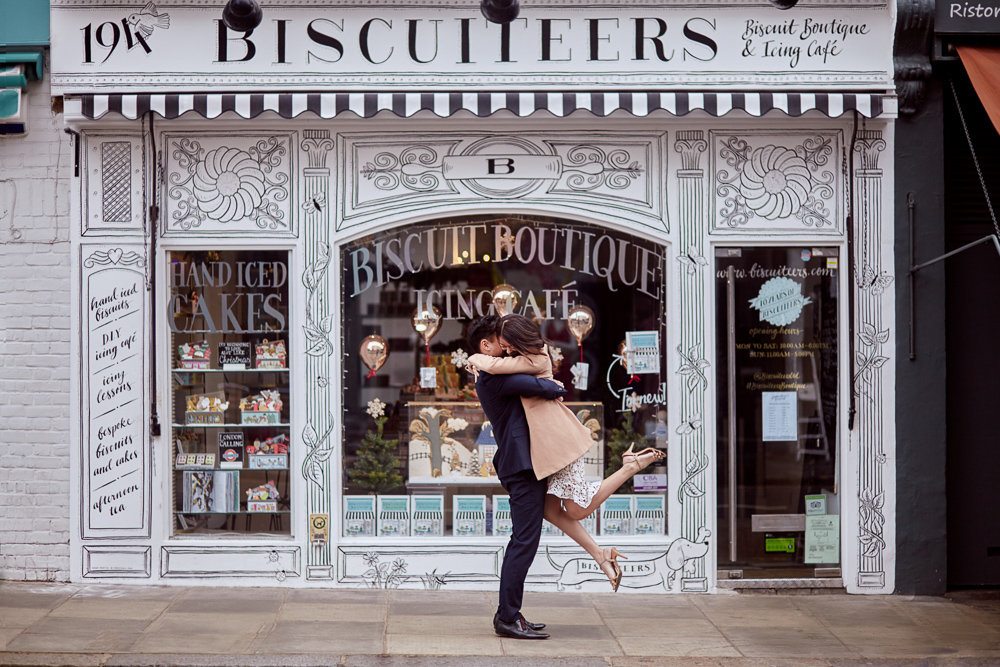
<point x="527" y="505"/>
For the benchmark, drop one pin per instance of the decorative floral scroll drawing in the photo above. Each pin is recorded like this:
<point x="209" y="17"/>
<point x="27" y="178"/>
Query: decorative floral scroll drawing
<point x="228" y="184"/>
<point x="774" y="182"/>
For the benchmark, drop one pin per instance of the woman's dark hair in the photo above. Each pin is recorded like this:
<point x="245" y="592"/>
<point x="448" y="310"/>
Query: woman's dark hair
<point x="521" y="334"/>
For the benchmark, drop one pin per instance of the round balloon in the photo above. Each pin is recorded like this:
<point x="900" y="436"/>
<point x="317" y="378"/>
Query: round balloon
<point x="580" y="322"/>
<point x="426" y="322"/>
<point x="374" y="351"/>
<point x="506" y="299"/>
<point x="621" y="349"/>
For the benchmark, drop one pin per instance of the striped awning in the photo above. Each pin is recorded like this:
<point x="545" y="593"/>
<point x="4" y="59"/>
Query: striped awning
<point x="403" y="104"/>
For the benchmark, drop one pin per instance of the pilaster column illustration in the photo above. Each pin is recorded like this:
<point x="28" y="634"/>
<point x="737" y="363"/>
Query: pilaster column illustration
<point x="872" y="379"/>
<point x="317" y="434"/>
<point x="693" y="283"/>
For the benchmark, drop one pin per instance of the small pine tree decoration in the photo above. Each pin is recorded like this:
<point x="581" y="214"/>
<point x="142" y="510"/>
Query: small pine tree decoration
<point x="618" y="441"/>
<point x="376" y="468"/>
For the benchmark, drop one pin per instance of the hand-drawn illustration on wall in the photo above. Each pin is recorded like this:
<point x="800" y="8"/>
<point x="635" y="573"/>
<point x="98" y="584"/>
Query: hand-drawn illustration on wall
<point x="228" y="183"/>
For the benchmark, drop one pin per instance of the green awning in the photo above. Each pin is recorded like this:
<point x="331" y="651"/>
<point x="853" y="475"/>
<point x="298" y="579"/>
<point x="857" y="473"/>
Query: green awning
<point x="34" y="63"/>
<point x="10" y="103"/>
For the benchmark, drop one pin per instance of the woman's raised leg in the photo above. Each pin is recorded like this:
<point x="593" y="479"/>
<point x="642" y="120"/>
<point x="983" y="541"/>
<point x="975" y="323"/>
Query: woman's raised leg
<point x="631" y="464"/>
<point x="572" y="528"/>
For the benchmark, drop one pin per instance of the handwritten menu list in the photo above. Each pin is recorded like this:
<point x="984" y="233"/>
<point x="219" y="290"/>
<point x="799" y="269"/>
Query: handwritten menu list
<point x="116" y="454"/>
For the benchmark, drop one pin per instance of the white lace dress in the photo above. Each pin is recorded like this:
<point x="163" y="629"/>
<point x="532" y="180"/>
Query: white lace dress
<point x="571" y="483"/>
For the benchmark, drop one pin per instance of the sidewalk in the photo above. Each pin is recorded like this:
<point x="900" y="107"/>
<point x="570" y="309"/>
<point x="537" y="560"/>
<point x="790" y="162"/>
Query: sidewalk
<point x="69" y="624"/>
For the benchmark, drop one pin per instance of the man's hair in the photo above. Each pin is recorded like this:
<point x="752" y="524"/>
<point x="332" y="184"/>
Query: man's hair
<point x="484" y="328"/>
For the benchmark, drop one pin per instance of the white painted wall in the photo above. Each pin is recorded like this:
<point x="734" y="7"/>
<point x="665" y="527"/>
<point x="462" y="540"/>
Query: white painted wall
<point x="35" y="174"/>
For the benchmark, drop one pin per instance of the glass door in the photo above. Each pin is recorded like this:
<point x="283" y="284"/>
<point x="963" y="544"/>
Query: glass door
<point x="777" y="316"/>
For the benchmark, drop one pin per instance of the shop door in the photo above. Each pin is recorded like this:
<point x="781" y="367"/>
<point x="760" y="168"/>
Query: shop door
<point x="777" y="315"/>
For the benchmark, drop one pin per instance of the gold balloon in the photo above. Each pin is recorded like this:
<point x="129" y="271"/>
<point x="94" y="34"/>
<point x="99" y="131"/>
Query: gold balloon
<point x="621" y="349"/>
<point x="374" y="351"/>
<point x="580" y="322"/>
<point x="506" y="299"/>
<point x="426" y="322"/>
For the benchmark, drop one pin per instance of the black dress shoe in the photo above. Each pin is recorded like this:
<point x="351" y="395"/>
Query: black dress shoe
<point x="519" y="629"/>
<point x="533" y="626"/>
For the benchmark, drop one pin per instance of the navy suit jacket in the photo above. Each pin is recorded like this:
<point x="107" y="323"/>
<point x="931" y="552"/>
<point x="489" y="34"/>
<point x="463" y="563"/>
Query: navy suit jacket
<point x="500" y="396"/>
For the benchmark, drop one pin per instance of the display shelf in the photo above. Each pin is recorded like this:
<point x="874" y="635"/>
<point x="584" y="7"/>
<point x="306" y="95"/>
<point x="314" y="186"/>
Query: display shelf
<point x="236" y="425"/>
<point x="176" y="469"/>
<point x="229" y="370"/>
<point x="244" y="512"/>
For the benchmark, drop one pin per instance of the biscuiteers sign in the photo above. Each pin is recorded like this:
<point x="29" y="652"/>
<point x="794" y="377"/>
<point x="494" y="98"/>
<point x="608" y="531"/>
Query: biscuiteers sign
<point x="182" y="46"/>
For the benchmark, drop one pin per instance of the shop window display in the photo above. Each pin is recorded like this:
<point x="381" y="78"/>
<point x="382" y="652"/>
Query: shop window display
<point x="229" y="344"/>
<point x="412" y="425"/>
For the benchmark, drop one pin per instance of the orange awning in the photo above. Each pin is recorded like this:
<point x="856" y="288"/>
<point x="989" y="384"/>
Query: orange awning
<point x="983" y="65"/>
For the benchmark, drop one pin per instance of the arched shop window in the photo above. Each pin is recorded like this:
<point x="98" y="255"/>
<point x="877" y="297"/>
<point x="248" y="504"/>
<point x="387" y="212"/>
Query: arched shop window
<point x="408" y="297"/>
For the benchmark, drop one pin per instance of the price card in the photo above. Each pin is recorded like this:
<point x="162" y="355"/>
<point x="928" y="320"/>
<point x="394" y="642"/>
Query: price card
<point x="234" y="356"/>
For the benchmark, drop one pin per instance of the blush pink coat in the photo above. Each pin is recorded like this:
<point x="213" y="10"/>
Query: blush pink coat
<point x="557" y="436"/>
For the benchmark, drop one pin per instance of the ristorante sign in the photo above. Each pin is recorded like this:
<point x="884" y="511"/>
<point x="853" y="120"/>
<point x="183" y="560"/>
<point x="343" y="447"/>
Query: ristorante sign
<point x="178" y="46"/>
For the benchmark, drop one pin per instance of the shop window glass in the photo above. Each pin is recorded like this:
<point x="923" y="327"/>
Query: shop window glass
<point x="229" y="349"/>
<point x="417" y="447"/>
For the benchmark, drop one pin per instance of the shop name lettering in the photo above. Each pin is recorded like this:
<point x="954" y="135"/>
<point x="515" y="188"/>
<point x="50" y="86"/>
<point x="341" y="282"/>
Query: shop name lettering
<point x="380" y="41"/>
<point x="246" y="275"/>
<point x="618" y="261"/>
<point x="825" y="39"/>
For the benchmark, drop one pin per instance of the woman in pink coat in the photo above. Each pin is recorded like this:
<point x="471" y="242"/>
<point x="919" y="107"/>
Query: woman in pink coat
<point x="559" y="441"/>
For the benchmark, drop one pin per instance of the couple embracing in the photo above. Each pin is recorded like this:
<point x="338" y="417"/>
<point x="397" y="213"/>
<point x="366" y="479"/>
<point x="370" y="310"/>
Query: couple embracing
<point x="539" y="457"/>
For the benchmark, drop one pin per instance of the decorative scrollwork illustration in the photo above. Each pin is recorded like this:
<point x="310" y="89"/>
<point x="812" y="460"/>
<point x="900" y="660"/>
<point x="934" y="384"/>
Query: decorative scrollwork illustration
<point x="872" y="523"/>
<point x="320" y="450"/>
<point x="414" y="168"/>
<point x="228" y="184"/>
<point x="775" y="182"/>
<point x="114" y="256"/>
<point x="593" y="167"/>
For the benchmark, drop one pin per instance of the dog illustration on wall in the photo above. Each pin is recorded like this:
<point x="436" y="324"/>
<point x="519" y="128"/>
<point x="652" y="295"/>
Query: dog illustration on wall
<point x="657" y="571"/>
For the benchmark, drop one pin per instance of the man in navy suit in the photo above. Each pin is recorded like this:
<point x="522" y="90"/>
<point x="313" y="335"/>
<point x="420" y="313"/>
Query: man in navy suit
<point x="500" y="396"/>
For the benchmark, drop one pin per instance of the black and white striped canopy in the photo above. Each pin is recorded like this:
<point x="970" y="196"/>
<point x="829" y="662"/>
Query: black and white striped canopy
<point x="559" y="104"/>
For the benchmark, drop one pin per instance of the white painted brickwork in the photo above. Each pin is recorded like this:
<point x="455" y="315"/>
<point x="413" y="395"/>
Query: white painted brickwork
<point x="35" y="181"/>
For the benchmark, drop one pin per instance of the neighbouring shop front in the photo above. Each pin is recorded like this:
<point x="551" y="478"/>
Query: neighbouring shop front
<point x="283" y="236"/>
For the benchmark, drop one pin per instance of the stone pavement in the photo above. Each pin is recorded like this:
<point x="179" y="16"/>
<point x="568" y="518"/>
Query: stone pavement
<point x="70" y="624"/>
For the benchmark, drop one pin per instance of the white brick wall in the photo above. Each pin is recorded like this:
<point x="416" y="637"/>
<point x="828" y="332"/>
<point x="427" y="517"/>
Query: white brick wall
<point x="35" y="182"/>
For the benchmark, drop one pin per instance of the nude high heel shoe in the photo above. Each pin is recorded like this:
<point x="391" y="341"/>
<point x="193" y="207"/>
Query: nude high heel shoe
<point x="629" y="454"/>
<point x="611" y="556"/>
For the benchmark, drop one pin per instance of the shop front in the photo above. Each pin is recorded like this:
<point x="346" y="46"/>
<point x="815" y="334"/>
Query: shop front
<point x="284" y="234"/>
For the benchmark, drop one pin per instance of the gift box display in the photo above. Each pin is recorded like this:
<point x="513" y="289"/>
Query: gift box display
<point x="271" y="355"/>
<point x="393" y="516"/>
<point x="428" y="515"/>
<point x="205" y="408"/>
<point x="468" y="515"/>
<point x="501" y="516"/>
<point x="271" y="454"/>
<point x="650" y="515"/>
<point x="263" y="498"/>
<point x="359" y="516"/>
<point x="617" y="514"/>
<point x="195" y="356"/>
<point x="263" y="408"/>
